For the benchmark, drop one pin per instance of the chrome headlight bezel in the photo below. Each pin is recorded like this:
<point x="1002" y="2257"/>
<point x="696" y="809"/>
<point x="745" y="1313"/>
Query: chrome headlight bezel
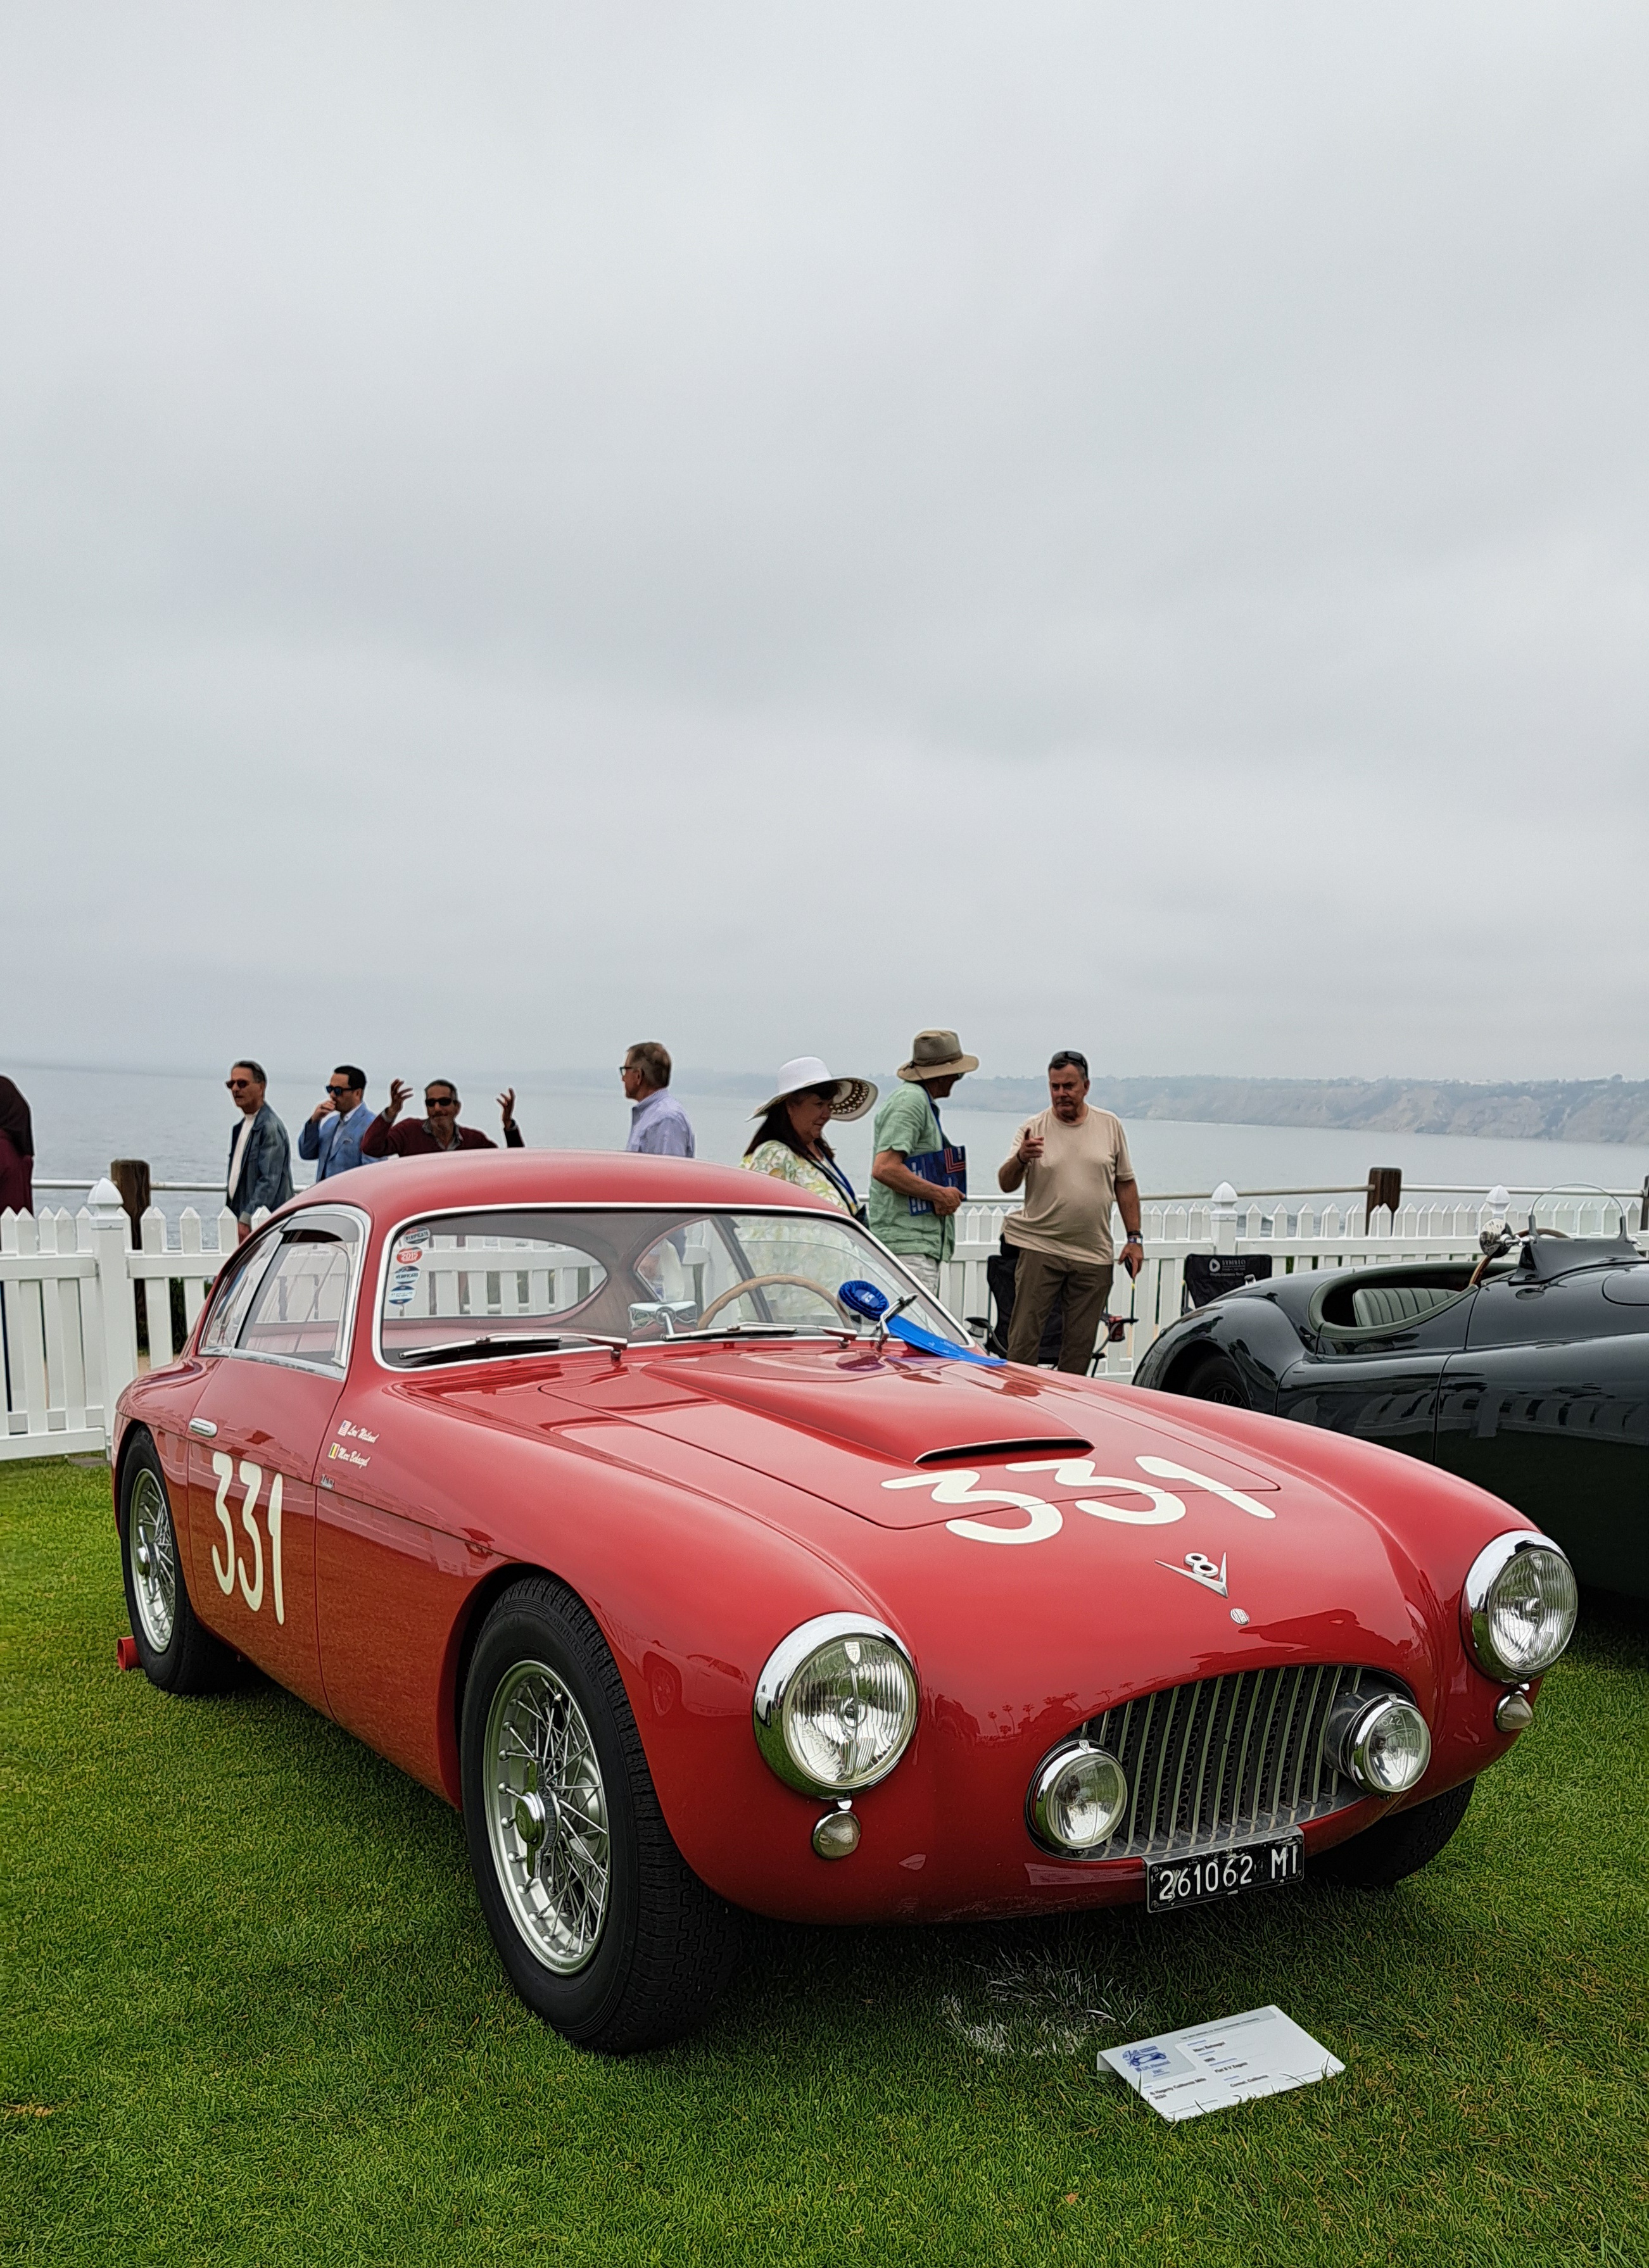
<point x="1044" y="1784"/>
<point x="1477" y="1606"/>
<point x="776" y="1683"/>
<point x="1352" y="1733"/>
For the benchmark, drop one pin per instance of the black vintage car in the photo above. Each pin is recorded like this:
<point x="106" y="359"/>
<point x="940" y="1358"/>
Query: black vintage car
<point x="1527" y="1374"/>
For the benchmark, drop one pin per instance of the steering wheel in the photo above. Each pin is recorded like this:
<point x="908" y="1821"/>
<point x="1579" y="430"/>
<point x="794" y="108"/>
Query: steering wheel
<point x="755" y="1284"/>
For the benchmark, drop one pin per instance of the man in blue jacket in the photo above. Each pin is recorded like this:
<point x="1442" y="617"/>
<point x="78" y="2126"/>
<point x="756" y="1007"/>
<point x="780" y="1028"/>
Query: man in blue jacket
<point x="331" y="1132"/>
<point x="259" y="1152"/>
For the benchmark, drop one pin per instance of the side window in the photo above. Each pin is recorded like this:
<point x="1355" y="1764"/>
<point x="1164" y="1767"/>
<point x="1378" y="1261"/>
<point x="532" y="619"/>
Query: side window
<point x="233" y="1295"/>
<point x="301" y="1301"/>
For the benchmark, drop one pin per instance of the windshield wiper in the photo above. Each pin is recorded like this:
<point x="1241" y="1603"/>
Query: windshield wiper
<point x="508" y="1343"/>
<point x="765" y="1331"/>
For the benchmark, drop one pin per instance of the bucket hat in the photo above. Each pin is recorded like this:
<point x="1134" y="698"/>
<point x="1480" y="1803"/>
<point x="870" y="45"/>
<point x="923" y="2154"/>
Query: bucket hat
<point x="936" y="1055"/>
<point x="853" y="1096"/>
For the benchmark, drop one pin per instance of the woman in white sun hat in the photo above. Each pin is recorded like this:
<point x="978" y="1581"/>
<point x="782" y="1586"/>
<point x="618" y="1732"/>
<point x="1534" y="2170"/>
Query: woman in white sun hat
<point x="789" y="1142"/>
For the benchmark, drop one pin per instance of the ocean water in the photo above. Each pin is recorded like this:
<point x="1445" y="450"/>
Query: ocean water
<point x="181" y="1124"/>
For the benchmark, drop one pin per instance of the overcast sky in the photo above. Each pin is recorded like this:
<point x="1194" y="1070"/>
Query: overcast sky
<point x="524" y="527"/>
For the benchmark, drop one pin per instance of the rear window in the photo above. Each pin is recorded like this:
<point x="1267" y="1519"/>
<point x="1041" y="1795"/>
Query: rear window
<point x="288" y="1296"/>
<point x="298" y="1308"/>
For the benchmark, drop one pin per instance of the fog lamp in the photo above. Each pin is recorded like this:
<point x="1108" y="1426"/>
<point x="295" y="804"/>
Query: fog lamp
<point x="836" y="1836"/>
<point x="1383" y="1744"/>
<point x="1518" y="1605"/>
<point x="1078" y="1798"/>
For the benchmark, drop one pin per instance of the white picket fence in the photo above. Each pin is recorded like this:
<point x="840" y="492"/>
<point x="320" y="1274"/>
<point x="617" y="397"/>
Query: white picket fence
<point x="70" y="1286"/>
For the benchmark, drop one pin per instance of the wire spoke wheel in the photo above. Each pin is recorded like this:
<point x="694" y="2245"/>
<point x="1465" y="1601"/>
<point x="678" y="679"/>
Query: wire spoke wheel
<point x="546" y="1817"/>
<point x="154" y="1561"/>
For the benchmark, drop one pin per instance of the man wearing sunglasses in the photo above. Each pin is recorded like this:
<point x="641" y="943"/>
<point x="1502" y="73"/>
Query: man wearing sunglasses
<point x="260" y="1150"/>
<point x="439" y="1128"/>
<point x="331" y="1132"/>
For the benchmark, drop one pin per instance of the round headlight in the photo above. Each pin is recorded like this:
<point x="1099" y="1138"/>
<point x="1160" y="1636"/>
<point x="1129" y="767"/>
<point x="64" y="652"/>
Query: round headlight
<point x="1386" y="1746"/>
<point x="836" y="1705"/>
<point x="1518" y="1605"/>
<point x="1078" y="1798"/>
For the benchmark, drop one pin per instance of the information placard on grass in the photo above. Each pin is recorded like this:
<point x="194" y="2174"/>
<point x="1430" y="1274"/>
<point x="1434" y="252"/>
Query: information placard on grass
<point x="1207" y="2066"/>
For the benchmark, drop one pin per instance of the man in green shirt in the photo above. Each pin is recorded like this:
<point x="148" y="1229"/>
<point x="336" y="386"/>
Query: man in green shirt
<point x="908" y="1126"/>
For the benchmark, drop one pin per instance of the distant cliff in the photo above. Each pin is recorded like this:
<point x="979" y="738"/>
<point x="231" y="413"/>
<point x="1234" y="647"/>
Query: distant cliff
<point x="1551" y="1110"/>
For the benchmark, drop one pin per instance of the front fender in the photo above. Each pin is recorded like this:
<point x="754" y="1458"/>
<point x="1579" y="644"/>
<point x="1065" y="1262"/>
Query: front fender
<point x="1255" y="1333"/>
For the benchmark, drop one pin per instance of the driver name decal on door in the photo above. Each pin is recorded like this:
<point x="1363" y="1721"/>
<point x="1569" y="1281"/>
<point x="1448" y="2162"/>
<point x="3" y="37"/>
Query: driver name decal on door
<point x="1044" y="1521"/>
<point x="231" y="1568"/>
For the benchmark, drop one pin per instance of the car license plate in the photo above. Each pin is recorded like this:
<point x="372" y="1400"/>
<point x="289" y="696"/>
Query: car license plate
<point x="1171" y="1883"/>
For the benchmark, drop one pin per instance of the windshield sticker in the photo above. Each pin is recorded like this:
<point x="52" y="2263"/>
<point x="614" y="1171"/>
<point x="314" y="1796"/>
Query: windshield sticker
<point x="407" y="1258"/>
<point x="1043" y="1520"/>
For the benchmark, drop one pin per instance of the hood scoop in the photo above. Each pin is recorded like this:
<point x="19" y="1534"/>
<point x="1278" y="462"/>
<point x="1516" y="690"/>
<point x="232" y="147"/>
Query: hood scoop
<point x="892" y="1407"/>
<point x="979" y="1453"/>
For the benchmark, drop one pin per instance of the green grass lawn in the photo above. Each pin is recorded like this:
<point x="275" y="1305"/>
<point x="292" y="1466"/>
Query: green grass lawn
<point x="251" y="2015"/>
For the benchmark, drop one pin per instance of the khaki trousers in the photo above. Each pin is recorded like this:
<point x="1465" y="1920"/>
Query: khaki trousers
<point x="1081" y="1289"/>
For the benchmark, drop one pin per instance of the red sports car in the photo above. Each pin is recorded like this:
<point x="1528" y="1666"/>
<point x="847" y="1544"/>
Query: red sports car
<point x="653" y="1514"/>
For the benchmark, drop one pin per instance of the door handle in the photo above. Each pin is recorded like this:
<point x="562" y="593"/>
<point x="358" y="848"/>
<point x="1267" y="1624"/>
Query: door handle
<point x="205" y="1427"/>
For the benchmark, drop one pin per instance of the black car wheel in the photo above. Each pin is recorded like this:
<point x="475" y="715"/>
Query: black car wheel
<point x="1216" y="1378"/>
<point x="178" y="1654"/>
<point x="1394" y="1848"/>
<point x="605" y="1930"/>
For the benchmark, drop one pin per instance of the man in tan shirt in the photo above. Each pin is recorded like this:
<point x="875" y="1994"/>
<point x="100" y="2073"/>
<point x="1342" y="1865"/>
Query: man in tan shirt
<point x="1073" y="1161"/>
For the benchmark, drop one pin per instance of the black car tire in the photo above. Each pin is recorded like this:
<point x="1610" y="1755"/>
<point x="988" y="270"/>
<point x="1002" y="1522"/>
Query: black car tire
<point x="1394" y="1848"/>
<point x="650" y="1966"/>
<point x="177" y="1652"/>
<point x="1215" y="1378"/>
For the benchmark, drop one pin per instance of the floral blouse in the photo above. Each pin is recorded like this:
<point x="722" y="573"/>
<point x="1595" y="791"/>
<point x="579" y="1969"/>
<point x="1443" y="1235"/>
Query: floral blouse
<point x="779" y="1159"/>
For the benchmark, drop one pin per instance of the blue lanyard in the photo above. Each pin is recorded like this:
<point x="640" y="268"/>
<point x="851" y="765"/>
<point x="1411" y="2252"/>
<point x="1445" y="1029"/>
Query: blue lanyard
<point x="832" y="1172"/>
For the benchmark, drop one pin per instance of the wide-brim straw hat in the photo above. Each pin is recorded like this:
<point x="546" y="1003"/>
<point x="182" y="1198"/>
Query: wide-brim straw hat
<point x="936" y="1055"/>
<point x="853" y="1096"/>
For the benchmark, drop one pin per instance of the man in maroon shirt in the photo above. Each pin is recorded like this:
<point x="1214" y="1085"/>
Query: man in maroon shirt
<point x="439" y="1128"/>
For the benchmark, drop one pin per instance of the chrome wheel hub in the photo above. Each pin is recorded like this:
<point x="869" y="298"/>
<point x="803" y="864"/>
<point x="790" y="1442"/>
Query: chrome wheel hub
<point x="154" y="1558"/>
<point x="547" y="1818"/>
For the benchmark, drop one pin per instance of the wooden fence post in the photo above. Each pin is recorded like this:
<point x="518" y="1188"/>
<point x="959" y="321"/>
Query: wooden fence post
<point x="130" y="1177"/>
<point x="111" y="1241"/>
<point x="1385" y="1188"/>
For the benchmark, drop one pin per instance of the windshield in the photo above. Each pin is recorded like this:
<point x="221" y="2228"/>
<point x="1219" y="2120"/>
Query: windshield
<point x="537" y="1273"/>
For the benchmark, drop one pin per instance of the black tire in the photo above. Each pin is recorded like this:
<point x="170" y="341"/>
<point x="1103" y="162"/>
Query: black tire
<point x="1215" y="1378"/>
<point x="650" y="1964"/>
<point x="177" y="1653"/>
<point x="1394" y="1848"/>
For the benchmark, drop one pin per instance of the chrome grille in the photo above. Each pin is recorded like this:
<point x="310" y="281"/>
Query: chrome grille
<point x="1227" y="1758"/>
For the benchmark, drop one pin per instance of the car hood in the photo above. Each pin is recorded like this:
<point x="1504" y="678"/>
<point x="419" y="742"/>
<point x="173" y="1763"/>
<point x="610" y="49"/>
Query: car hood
<point x="1195" y="1539"/>
<point x="893" y="1438"/>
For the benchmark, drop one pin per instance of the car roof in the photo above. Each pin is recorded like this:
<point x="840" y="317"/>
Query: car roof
<point x="400" y="1187"/>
